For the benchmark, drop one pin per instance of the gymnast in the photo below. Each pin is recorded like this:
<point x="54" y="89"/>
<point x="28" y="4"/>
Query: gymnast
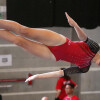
<point x="53" y="46"/>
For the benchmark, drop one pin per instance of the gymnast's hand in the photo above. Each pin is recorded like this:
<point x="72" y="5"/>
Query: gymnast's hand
<point x="31" y="78"/>
<point x="70" y="20"/>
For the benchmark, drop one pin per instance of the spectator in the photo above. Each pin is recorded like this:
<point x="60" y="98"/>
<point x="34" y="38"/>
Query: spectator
<point x="60" y="87"/>
<point x="69" y="90"/>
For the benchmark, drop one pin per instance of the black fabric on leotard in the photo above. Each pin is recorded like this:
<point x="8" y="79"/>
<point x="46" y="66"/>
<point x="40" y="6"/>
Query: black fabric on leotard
<point x="94" y="47"/>
<point x="75" y="69"/>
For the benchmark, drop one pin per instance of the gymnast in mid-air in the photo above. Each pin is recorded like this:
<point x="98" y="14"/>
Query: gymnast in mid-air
<point x="53" y="46"/>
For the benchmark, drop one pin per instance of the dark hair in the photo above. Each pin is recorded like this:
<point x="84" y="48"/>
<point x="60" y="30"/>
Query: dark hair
<point x="71" y="84"/>
<point x="66" y="77"/>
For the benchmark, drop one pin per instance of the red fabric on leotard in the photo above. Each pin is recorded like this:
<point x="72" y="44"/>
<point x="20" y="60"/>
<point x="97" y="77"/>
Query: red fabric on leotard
<point x="77" y="52"/>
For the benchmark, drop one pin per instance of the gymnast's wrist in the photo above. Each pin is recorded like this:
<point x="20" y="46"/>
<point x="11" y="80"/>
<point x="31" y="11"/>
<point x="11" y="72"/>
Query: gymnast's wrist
<point x="76" y="26"/>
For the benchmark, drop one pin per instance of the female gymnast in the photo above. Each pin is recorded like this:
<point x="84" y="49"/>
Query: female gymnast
<point x="51" y="45"/>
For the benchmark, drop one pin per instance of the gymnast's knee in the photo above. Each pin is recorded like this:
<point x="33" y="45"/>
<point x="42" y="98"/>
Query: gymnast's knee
<point x="24" y="30"/>
<point x="18" y="41"/>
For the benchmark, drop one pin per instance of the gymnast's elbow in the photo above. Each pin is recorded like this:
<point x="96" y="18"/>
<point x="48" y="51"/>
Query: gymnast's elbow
<point x="61" y="73"/>
<point x="84" y="71"/>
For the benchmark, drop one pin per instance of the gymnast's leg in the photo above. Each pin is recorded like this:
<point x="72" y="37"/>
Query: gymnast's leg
<point x="35" y="48"/>
<point x="44" y="36"/>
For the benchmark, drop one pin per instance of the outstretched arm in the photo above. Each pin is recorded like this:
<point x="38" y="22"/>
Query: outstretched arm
<point x="46" y="75"/>
<point x="66" y="71"/>
<point x="81" y="34"/>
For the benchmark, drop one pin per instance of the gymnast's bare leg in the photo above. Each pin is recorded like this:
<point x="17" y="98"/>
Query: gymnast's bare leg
<point x="44" y="36"/>
<point x="33" y="47"/>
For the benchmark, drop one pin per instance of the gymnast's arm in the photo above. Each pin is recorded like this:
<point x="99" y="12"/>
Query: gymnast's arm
<point x="66" y="71"/>
<point x="46" y="75"/>
<point x="81" y="34"/>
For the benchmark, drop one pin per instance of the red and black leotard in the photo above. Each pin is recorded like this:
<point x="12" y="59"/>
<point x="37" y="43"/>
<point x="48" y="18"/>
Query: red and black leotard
<point x="78" y="52"/>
